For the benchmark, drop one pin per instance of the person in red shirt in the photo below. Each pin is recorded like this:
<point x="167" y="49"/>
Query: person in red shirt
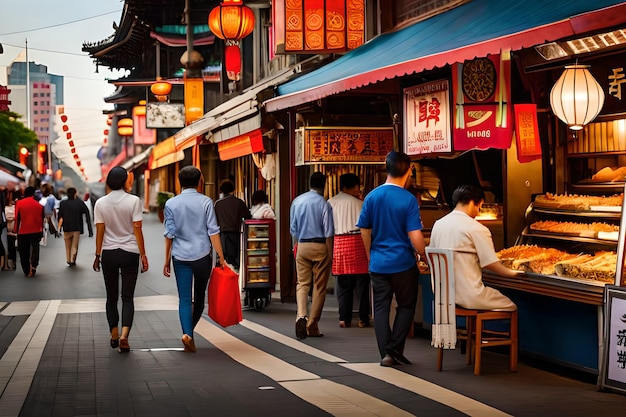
<point x="29" y="217"/>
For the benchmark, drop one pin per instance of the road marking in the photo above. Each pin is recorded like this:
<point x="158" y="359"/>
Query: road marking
<point x="392" y="376"/>
<point x="336" y="399"/>
<point x="427" y="389"/>
<point x="20" y="361"/>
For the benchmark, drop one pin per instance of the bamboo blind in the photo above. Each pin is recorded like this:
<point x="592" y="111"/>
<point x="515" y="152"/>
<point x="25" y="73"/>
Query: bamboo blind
<point x="599" y="137"/>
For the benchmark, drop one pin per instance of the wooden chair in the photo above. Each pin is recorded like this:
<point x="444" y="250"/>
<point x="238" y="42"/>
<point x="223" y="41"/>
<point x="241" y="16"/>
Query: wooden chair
<point x="476" y="337"/>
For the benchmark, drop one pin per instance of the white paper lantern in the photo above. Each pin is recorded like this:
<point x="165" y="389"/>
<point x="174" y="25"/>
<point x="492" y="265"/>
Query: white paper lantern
<point x="576" y="98"/>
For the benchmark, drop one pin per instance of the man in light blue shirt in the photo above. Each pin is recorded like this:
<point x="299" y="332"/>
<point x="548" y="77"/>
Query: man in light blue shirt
<point x="312" y="230"/>
<point x="190" y="230"/>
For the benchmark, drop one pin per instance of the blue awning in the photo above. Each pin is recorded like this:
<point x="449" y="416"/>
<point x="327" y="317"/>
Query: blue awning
<point x="475" y="29"/>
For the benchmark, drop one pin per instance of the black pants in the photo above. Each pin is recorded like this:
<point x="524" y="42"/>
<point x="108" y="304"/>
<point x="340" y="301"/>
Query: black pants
<point x="404" y="285"/>
<point x="11" y="247"/>
<point x="28" y="247"/>
<point x="116" y="263"/>
<point x="231" y="245"/>
<point x="346" y="284"/>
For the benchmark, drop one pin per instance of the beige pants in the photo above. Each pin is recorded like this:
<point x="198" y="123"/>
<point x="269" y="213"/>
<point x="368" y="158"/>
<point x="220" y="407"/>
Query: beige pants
<point x="71" y="245"/>
<point x="313" y="264"/>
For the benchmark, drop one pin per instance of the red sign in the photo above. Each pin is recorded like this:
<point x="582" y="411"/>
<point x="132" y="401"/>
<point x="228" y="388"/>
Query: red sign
<point x="482" y="109"/>
<point x="246" y="144"/>
<point x="323" y="25"/>
<point x="527" y="132"/>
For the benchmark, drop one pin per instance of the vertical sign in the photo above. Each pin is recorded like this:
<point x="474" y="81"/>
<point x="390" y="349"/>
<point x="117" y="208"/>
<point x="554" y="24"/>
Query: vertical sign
<point x="527" y="133"/>
<point x="427" y="118"/>
<point x="613" y="361"/>
<point x="194" y="99"/>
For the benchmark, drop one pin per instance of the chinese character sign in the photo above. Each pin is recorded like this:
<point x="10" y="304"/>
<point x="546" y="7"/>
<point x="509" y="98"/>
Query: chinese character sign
<point x="616" y="361"/>
<point x="527" y="132"/>
<point x="427" y="118"/>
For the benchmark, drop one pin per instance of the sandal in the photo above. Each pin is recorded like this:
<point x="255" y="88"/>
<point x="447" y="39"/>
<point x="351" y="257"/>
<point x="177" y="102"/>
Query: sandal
<point x="124" y="346"/>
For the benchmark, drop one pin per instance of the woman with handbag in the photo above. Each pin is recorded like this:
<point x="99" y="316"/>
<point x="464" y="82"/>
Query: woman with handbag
<point x="191" y="232"/>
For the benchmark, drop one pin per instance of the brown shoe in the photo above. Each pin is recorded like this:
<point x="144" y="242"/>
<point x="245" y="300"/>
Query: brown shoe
<point x="124" y="346"/>
<point x="190" y="346"/>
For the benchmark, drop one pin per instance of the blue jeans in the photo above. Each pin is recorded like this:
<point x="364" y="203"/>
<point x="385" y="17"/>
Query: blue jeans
<point x="190" y="308"/>
<point x="404" y="285"/>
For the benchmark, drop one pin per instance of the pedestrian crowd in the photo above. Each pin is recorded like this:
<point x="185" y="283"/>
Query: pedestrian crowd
<point x="372" y="245"/>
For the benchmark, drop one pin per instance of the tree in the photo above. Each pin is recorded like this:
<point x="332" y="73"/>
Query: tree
<point x="14" y="133"/>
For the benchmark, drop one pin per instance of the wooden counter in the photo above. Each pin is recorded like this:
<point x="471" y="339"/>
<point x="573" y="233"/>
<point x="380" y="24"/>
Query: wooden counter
<point x="588" y="292"/>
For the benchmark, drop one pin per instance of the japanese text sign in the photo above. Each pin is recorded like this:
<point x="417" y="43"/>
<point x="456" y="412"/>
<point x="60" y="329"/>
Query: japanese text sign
<point x="613" y="368"/>
<point x="427" y="118"/>
<point x="527" y="132"/>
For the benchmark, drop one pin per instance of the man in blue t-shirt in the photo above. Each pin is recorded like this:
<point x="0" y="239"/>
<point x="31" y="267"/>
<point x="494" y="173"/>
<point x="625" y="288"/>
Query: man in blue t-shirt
<point x="391" y="227"/>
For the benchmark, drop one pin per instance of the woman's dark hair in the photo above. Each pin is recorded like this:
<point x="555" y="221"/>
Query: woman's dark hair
<point x="466" y="193"/>
<point x="317" y="181"/>
<point x="397" y="164"/>
<point x="189" y="176"/>
<point x="259" y="197"/>
<point x="227" y="186"/>
<point x="116" y="178"/>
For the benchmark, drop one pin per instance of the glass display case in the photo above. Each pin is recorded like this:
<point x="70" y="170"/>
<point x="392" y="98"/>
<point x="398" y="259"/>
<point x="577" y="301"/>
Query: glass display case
<point x="259" y="262"/>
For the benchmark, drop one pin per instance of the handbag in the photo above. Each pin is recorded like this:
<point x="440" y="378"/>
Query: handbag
<point x="223" y="297"/>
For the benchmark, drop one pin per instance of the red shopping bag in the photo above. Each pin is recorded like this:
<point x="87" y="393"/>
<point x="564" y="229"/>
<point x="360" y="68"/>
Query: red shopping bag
<point x="224" y="298"/>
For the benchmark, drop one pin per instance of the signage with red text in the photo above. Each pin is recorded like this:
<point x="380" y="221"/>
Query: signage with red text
<point x="427" y="118"/>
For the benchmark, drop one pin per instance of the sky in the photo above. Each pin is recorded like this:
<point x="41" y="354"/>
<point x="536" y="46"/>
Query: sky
<point x="55" y="32"/>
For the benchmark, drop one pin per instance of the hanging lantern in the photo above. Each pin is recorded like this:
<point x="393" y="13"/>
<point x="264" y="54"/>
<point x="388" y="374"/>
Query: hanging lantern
<point x="576" y="98"/>
<point x="161" y="90"/>
<point x="232" y="21"/>
<point x="125" y="127"/>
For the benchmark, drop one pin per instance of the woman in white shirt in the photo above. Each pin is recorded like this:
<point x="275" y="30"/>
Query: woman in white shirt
<point x="260" y="209"/>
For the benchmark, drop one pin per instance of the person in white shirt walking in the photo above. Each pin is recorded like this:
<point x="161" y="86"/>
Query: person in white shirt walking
<point x="349" y="257"/>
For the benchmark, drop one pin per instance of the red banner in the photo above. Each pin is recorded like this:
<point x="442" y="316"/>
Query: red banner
<point x="527" y="133"/>
<point x="323" y="25"/>
<point x="482" y="110"/>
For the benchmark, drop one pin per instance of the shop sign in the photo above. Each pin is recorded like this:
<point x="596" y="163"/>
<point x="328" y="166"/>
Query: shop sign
<point x="427" y="118"/>
<point x="141" y="134"/>
<point x="314" y="26"/>
<point x="613" y="361"/>
<point x="335" y="145"/>
<point x="242" y="145"/>
<point x="482" y="109"/>
<point x="610" y="72"/>
<point x="194" y="99"/>
<point x="527" y="132"/>
<point x="165" y="115"/>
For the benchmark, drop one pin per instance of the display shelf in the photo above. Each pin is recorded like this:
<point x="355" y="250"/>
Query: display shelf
<point x="571" y="238"/>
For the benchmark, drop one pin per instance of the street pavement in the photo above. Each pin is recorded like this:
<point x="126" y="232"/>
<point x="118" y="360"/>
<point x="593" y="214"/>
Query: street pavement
<point x="55" y="359"/>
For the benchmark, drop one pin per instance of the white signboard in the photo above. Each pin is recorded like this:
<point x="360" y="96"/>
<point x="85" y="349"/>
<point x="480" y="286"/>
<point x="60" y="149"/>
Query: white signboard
<point x="427" y="118"/>
<point x="613" y="364"/>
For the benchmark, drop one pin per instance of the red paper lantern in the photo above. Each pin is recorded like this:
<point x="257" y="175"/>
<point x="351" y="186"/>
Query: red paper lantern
<point x="231" y="20"/>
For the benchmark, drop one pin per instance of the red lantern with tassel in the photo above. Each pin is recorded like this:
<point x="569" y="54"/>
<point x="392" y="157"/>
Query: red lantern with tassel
<point x="232" y="21"/>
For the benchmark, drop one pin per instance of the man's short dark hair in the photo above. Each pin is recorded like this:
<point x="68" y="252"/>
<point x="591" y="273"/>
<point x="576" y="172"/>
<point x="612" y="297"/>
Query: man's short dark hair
<point x="397" y="164"/>
<point x="71" y="193"/>
<point x="466" y="193"/>
<point x="227" y="186"/>
<point x="189" y="176"/>
<point x="317" y="181"/>
<point x="29" y="191"/>
<point x="349" y="180"/>
<point x="116" y="178"/>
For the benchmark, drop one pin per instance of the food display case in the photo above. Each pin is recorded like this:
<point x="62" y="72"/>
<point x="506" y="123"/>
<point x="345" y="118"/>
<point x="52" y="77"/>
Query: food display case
<point x="569" y="252"/>
<point x="259" y="262"/>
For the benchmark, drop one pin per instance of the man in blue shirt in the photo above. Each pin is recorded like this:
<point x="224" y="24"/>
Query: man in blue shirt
<point x="190" y="230"/>
<point x="312" y="230"/>
<point x="391" y="227"/>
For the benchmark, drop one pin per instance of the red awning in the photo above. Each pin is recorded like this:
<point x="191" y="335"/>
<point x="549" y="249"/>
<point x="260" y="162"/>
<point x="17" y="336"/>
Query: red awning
<point x="249" y="143"/>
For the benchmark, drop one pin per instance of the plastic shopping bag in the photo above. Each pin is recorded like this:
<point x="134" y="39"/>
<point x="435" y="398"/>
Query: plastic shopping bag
<point x="224" y="298"/>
